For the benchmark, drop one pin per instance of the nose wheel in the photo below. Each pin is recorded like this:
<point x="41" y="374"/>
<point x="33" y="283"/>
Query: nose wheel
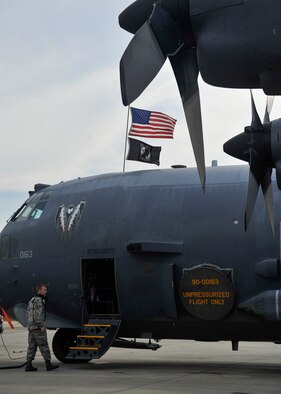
<point x="63" y="339"/>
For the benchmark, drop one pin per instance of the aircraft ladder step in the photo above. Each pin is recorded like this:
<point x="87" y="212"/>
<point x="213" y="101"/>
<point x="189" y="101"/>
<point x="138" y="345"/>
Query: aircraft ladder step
<point x="95" y="339"/>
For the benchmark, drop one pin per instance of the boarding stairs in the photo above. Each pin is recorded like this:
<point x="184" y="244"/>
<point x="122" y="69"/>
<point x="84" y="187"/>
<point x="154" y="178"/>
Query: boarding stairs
<point x="95" y="339"/>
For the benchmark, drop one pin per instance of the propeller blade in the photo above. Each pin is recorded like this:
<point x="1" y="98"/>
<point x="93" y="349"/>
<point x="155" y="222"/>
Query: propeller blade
<point x="140" y="63"/>
<point x="256" y="122"/>
<point x="134" y="16"/>
<point x="278" y="173"/>
<point x="268" y="108"/>
<point x="266" y="186"/>
<point x="147" y="52"/>
<point x="255" y="178"/>
<point x="186" y="71"/>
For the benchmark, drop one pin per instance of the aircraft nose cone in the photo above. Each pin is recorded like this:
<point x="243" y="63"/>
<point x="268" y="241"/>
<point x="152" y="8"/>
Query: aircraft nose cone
<point x="238" y="146"/>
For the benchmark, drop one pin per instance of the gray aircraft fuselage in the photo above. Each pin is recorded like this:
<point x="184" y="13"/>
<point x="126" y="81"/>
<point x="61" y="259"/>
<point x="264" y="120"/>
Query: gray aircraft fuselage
<point x="151" y="225"/>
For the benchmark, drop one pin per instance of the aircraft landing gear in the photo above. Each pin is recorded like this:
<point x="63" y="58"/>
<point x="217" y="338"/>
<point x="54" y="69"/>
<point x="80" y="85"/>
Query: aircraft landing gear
<point x="63" y="339"/>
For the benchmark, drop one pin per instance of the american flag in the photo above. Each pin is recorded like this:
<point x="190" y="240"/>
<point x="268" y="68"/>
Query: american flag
<point x="151" y="124"/>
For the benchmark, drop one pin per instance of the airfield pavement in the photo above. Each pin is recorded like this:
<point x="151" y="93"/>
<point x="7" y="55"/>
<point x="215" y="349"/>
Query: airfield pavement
<point x="178" y="367"/>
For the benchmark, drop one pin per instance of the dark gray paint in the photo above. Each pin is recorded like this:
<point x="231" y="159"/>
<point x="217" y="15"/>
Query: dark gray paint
<point x="150" y="207"/>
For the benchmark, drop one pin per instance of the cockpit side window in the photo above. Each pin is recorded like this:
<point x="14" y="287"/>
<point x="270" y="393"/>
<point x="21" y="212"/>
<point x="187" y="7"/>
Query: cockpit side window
<point x="9" y="246"/>
<point x="32" y="208"/>
<point x="4" y="247"/>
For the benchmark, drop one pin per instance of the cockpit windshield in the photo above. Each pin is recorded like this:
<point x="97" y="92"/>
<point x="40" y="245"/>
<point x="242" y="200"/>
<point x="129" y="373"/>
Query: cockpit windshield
<point x="32" y="208"/>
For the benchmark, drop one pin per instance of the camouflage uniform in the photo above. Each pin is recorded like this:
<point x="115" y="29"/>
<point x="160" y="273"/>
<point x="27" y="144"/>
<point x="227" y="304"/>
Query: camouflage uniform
<point x="36" y="317"/>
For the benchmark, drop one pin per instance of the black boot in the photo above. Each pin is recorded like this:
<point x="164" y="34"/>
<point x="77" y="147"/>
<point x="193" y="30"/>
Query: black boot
<point x="29" y="367"/>
<point x="50" y="366"/>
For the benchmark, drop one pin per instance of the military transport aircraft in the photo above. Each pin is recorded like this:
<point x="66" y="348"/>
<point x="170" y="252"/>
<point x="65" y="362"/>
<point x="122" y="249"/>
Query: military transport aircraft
<point x="145" y="255"/>
<point x="232" y="43"/>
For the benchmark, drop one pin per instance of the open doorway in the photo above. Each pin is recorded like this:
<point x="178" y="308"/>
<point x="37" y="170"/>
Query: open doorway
<point x="98" y="278"/>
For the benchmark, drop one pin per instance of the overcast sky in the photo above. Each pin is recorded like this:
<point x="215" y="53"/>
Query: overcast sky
<point x="61" y="114"/>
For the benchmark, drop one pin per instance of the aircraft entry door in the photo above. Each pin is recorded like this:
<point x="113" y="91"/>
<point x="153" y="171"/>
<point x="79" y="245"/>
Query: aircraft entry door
<point x="98" y="279"/>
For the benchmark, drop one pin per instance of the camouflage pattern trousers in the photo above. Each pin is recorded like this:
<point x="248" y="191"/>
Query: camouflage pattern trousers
<point x="37" y="338"/>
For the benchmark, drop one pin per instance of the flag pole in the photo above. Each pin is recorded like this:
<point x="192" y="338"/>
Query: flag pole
<point x="126" y="139"/>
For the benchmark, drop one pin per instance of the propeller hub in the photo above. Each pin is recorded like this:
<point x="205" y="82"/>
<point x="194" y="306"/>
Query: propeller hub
<point x="276" y="149"/>
<point x="240" y="146"/>
<point x="260" y="146"/>
<point x="134" y="16"/>
<point x="276" y="139"/>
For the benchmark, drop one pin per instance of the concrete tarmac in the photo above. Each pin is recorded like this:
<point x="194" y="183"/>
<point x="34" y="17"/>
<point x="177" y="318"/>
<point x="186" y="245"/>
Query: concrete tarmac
<point x="178" y="367"/>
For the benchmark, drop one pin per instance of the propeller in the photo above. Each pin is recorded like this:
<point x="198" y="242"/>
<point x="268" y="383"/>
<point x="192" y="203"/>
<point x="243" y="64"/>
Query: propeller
<point x="163" y="30"/>
<point x="134" y="16"/>
<point x="259" y="146"/>
<point x="268" y="108"/>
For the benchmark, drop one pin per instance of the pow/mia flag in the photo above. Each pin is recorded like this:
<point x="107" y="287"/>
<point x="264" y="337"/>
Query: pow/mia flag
<point x="140" y="151"/>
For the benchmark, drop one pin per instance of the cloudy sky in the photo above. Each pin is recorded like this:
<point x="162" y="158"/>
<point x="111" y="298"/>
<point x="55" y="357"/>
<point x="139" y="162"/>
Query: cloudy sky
<point x="61" y="114"/>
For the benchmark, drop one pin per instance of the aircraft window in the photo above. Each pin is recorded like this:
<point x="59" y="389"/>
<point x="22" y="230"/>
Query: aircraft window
<point x="5" y="247"/>
<point x="33" y="207"/>
<point x="18" y="212"/>
<point x="36" y="213"/>
<point x="9" y="247"/>
<point x="25" y="212"/>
